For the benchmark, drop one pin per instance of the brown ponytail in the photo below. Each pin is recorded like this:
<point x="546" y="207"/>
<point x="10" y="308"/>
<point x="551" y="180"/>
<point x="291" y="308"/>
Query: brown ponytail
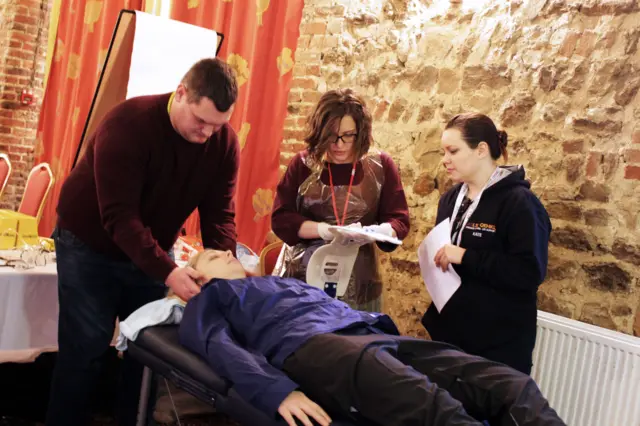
<point x="476" y="128"/>
<point x="502" y="142"/>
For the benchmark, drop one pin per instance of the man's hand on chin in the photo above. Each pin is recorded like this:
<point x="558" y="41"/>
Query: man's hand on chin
<point x="297" y="405"/>
<point x="184" y="282"/>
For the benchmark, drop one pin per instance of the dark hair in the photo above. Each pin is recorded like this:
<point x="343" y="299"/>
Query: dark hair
<point x="213" y="79"/>
<point x="476" y="128"/>
<point x="324" y="122"/>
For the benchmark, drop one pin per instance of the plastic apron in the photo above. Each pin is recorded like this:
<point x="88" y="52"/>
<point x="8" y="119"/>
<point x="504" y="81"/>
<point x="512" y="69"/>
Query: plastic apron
<point x="314" y="202"/>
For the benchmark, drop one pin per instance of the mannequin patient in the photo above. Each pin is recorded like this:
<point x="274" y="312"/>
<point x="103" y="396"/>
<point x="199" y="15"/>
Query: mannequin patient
<point x="274" y="337"/>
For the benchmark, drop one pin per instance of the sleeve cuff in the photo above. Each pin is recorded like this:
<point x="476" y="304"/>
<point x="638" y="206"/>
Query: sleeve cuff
<point x="271" y="399"/>
<point x="400" y="228"/>
<point x="386" y="247"/>
<point x="164" y="268"/>
<point x="470" y="258"/>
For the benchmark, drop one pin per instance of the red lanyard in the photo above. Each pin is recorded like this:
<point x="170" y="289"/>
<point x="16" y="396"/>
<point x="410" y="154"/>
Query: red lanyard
<point x="333" y="195"/>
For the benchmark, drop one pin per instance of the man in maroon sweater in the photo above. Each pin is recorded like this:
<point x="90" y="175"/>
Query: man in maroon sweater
<point x="151" y="162"/>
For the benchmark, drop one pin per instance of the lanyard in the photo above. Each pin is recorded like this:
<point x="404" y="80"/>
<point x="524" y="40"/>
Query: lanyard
<point x="496" y="175"/>
<point x="170" y="102"/>
<point x="333" y="195"/>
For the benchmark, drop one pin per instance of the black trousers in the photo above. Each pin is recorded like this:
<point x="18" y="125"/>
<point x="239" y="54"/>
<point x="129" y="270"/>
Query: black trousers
<point x="393" y="380"/>
<point x="93" y="290"/>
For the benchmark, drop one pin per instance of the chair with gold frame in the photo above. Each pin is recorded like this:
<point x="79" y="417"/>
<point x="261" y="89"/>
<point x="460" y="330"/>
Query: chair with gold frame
<point x="39" y="184"/>
<point x="5" y="172"/>
<point x="269" y="257"/>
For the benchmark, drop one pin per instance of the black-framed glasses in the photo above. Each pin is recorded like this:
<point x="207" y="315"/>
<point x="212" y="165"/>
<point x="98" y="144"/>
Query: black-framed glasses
<point x="347" y="138"/>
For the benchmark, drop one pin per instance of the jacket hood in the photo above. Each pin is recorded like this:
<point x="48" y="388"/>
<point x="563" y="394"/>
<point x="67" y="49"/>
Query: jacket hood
<point x="510" y="176"/>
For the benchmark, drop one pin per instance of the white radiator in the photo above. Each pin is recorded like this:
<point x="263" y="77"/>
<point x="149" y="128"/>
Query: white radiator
<point x="590" y="375"/>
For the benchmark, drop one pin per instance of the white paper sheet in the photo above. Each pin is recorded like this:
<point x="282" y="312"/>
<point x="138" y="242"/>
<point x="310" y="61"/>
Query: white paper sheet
<point x="440" y="285"/>
<point x="373" y="236"/>
<point x="163" y="51"/>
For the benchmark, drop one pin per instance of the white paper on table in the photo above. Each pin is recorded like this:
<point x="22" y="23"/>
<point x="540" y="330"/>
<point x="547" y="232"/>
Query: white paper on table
<point x="440" y="285"/>
<point x="163" y="51"/>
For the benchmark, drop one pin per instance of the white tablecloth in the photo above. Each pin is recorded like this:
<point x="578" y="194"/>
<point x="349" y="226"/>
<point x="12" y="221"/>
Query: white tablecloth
<point x="28" y="312"/>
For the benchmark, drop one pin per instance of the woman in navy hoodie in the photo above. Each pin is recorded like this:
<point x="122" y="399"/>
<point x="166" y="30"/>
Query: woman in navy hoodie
<point x="500" y="235"/>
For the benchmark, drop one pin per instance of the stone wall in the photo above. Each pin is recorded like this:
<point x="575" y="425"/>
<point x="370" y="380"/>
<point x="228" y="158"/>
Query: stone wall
<point x="561" y="76"/>
<point x="24" y="28"/>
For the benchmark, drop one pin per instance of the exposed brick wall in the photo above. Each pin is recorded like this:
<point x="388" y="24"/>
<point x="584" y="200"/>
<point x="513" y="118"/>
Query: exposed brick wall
<point x="563" y="84"/>
<point x="23" y="38"/>
<point x="561" y="77"/>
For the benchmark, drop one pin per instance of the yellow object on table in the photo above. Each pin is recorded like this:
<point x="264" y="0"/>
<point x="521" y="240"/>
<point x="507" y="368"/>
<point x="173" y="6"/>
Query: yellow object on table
<point x="17" y="230"/>
<point x="8" y="231"/>
<point x="47" y="244"/>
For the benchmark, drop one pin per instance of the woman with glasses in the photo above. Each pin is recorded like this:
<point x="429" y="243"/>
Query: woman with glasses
<point x="338" y="181"/>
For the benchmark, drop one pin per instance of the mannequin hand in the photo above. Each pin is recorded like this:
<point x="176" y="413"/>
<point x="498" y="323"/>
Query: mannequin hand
<point x="447" y="255"/>
<point x="296" y="404"/>
<point x="383" y="228"/>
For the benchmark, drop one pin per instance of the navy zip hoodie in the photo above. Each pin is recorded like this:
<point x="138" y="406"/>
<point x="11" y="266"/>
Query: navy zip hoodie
<point x="506" y="241"/>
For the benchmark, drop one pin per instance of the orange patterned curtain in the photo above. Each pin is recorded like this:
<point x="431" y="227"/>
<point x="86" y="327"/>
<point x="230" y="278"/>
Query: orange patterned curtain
<point x="260" y="41"/>
<point x="83" y="35"/>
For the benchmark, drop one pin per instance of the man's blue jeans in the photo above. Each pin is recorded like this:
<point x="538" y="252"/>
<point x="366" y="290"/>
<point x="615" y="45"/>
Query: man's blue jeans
<point x="93" y="290"/>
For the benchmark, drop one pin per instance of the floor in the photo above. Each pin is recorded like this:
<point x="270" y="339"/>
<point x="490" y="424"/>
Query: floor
<point x="106" y="421"/>
<point x="25" y="390"/>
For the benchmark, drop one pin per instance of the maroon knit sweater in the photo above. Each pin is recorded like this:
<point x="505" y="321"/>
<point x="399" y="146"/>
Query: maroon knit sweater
<point x="138" y="182"/>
